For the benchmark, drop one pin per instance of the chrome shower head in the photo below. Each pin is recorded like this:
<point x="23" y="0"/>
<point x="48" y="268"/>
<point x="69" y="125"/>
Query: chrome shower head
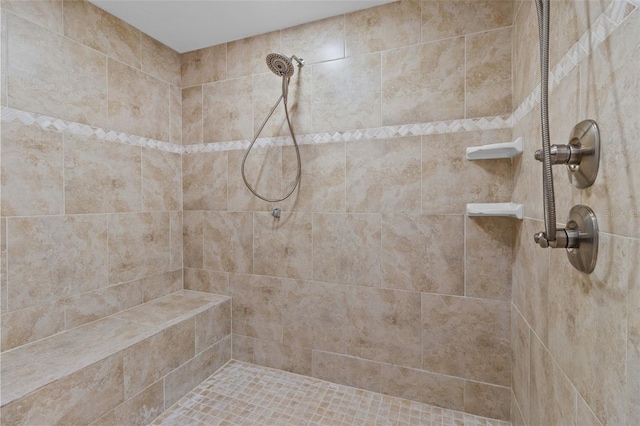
<point x="280" y="65"/>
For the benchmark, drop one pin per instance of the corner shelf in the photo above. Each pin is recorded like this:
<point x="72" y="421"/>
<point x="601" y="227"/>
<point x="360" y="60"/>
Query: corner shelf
<point x="496" y="209"/>
<point x="496" y="150"/>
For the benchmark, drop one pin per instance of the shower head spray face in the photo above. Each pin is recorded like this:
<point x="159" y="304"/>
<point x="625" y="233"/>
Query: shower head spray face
<point x="280" y="65"/>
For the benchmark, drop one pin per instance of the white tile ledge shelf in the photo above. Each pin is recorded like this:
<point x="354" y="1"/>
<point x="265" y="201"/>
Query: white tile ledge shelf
<point x="496" y="209"/>
<point x="496" y="150"/>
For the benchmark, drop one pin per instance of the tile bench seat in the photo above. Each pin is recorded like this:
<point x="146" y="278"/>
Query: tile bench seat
<point x="123" y="369"/>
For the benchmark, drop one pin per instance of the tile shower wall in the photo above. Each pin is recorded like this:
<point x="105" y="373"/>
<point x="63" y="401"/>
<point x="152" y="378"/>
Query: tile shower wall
<point x="89" y="227"/>
<point x="576" y="337"/>
<point x="373" y="277"/>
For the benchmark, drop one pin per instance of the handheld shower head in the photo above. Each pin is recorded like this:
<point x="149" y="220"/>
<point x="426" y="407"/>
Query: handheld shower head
<point x="280" y="65"/>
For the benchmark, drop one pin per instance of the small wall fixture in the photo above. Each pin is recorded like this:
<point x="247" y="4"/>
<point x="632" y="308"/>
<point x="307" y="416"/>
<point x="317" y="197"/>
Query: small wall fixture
<point x="495" y="150"/>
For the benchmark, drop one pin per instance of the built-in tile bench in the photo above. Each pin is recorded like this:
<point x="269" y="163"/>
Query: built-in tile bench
<point x="123" y="369"/>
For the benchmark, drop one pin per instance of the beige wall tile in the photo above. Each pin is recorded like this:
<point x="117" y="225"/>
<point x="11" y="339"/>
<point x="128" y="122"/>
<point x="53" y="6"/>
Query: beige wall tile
<point x="263" y="170"/>
<point x="159" y="60"/>
<point x="4" y="51"/>
<point x="204" y="65"/>
<point x="584" y="415"/>
<point x="526" y="54"/>
<point x="282" y="247"/>
<point x="486" y="400"/>
<point x="31" y="324"/>
<point x="446" y="18"/>
<point x="416" y="78"/>
<point x="520" y="364"/>
<point x="161" y="180"/>
<point x="31" y="171"/>
<point x="633" y="338"/>
<point x="192" y="238"/>
<point x="444" y="165"/>
<point x="192" y="115"/>
<point x="248" y="55"/>
<point x="98" y="29"/>
<point x="346" y="248"/>
<point x="384" y="27"/>
<point x="488" y="73"/>
<point x="346" y="94"/>
<point x="317" y="41"/>
<point x="228" y="241"/>
<point x="206" y="281"/>
<point x="314" y="315"/>
<point x="243" y="348"/>
<point x="140" y="410"/>
<point x="423" y="253"/>
<point x="527" y="169"/>
<point x="346" y="370"/>
<point x="149" y="360"/>
<point x="481" y="350"/>
<point x="175" y="115"/>
<point x="3" y="266"/>
<point x="383" y="175"/>
<point x="257" y="306"/>
<point x="384" y="325"/>
<point x="52" y="257"/>
<point x="50" y="74"/>
<point x="204" y="181"/>
<point x="282" y="357"/>
<point x="47" y="13"/>
<point x="156" y="286"/>
<point x="138" y="245"/>
<point x="488" y="257"/>
<point x="101" y="177"/>
<point x="516" y="415"/>
<point x="176" y="239"/>
<point x="213" y="325"/>
<point x="138" y="103"/>
<point x="227" y="110"/>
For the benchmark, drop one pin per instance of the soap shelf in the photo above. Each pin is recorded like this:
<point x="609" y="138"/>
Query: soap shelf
<point x="496" y="150"/>
<point x="496" y="209"/>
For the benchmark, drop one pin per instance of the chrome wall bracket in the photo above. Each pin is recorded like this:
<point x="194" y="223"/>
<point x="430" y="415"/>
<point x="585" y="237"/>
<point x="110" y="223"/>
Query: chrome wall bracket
<point x="581" y="155"/>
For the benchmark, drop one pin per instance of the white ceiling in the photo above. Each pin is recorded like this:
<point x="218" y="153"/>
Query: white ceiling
<point x="186" y="25"/>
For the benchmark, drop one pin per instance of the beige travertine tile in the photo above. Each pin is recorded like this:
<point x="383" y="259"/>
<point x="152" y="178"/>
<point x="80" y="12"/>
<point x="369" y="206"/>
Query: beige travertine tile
<point x="3" y="266"/>
<point x="149" y="360"/>
<point x="175" y="115"/>
<point x="257" y="306"/>
<point x="526" y="169"/>
<point x="267" y="88"/>
<point x="157" y="286"/>
<point x="418" y="385"/>
<point x="228" y="241"/>
<point x="526" y="53"/>
<point x="169" y="310"/>
<point x="314" y="315"/>
<point x="488" y="73"/>
<point x="248" y="55"/>
<point x="98" y="29"/>
<point x="516" y="415"/>
<point x="384" y="175"/>
<point x="206" y="281"/>
<point x="138" y="245"/>
<point x="180" y="381"/>
<point x="176" y="239"/>
<point x="140" y="410"/>
<point x="384" y="325"/>
<point x="423" y="253"/>
<point x="138" y="103"/>
<point x="584" y="415"/>
<point x="192" y="115"/>
<point x="227" y="110"/>
<point x="78" y="398"/>
<point x="346" y="94"/>
<point x="52" y="257"/>
<point x="204" y="65"/>
<point x="4" y="87"/>
<point x="263" y="170"/>
<point x="633" y="338"/>
<point x="282" y="357"/>
<point x="282" y="247"/>
<point x="444" y="165"/>
<point x="450" y="18"/>
<point x="47" y="13"/>
<point x="486" y="400"/>
<point x="243" y="348"/>
<point x="520" y="363"/>
<point x="213" y="325"/>
<point x="51" y="74"/>
<point x="161" y="180"/>
<point x="481" y="348"/>
<point x="322" y="179"/>
<point x="315" y="42"/>
<point x="101" y="177"/>
<point x="346" y="248"/>
<point x="346" y="370"/>
<point x="204" y="181"/>
<point x="192" y="239"/>
<point x="30" y="324"/>
<point x="383" y="27"/>
<point x="488" y="257"/>
<point x="553" y="398"/>
<point x="159" y="60"/>
<point x="31" y="171"/>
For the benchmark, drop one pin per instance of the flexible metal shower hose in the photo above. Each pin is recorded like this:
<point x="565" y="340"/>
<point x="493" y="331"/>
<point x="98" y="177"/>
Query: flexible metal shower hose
<point x="283" y="97"/>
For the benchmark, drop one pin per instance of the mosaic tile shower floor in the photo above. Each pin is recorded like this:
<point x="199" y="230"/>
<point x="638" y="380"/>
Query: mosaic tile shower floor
<point x="247" y="394"/>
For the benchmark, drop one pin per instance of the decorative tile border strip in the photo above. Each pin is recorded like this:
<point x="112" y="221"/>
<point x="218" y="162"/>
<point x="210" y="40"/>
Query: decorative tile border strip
<point x="601" y="29"/>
